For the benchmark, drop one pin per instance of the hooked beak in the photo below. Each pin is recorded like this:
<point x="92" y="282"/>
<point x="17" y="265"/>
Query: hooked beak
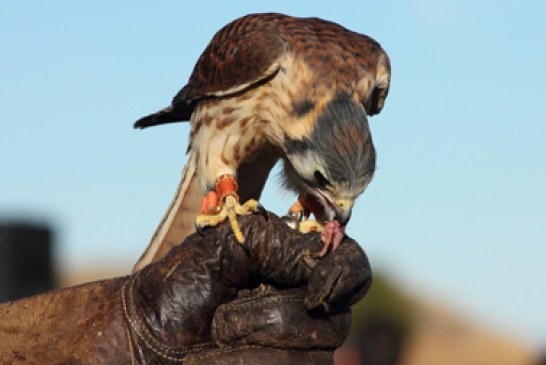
<point x="343" y="209"/>
<point x="335" y="209"/>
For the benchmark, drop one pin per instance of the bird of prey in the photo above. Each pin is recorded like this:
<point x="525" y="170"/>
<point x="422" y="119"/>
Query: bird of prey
<point x="269" y="87"/>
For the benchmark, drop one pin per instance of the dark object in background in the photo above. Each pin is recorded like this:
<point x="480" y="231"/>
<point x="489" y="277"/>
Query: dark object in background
<point x="26" y="266"/>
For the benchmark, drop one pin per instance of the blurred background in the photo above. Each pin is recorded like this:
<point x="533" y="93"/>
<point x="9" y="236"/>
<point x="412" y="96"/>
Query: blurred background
<point x="454" y="222"/>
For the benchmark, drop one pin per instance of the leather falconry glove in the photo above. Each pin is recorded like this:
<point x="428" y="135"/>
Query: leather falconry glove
<point x="210" y="300"/>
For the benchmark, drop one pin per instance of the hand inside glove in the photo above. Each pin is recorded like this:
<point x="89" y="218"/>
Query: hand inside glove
<point x="210" y="300"/>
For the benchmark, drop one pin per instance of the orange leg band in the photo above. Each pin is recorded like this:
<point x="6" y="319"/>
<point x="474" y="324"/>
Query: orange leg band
<point x="209" y="204"/>
<point x="226" y="185"/>
<point x="212" y="202"/>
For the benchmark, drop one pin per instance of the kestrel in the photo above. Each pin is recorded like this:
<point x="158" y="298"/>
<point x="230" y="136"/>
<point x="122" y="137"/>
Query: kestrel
<point x="270" y="87"/>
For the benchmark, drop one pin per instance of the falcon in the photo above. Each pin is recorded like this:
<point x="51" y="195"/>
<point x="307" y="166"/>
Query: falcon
<point x="272" y="87"/>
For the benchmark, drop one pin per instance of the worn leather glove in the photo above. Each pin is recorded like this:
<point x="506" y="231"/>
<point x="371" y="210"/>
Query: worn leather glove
<point x="210" y="300"/>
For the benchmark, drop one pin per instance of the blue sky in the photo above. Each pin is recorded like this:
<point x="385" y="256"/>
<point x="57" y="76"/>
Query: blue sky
<point x="457" y="208"/>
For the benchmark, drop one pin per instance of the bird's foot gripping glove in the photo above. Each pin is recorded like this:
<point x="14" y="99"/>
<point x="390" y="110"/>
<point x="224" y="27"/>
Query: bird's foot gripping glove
<point x="225" y="317"/>
<point x="222" y="204"/>
<point x="201" y="304"/>
<point x="298" y="219"/>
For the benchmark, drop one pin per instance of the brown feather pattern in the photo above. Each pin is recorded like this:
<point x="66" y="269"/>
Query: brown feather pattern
<point x="267" y="83"/>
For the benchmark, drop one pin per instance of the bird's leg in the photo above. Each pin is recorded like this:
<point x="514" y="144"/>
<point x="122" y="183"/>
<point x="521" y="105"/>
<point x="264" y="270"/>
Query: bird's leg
<point x="210" y="203"/>
<point x="222" y="204"/>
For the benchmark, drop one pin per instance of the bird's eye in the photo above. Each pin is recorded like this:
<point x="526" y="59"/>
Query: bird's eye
<point x="320" y="179"/>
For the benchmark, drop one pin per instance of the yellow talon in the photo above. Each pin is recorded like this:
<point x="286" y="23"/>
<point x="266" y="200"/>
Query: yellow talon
<point x="249" y="207"/>
<point x="307" y="226"/>
<point x="231" y="205"/>
<point x="230" y="210"/>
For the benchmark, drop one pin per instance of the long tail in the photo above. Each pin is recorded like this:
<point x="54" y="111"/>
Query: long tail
<point x="179" y="220"/>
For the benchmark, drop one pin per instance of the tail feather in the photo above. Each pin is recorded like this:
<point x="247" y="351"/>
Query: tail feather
<point x="179" y="220"/>
<point x="166" y="115"/>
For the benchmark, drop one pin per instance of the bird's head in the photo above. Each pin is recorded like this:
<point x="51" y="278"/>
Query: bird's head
<point x="333" y="165"/>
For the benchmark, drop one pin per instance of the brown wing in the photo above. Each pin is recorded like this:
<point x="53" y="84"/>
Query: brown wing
<point x="239" y="56"/>
<point x="246" y="53"/>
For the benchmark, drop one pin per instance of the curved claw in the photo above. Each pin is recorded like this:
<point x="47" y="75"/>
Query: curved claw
<point x="291" y="221"/>
<point x="261" y="210"/>
<point x="199" y="230"/>
<point x="245" y="248"/>
<point x="229" y="210"/>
